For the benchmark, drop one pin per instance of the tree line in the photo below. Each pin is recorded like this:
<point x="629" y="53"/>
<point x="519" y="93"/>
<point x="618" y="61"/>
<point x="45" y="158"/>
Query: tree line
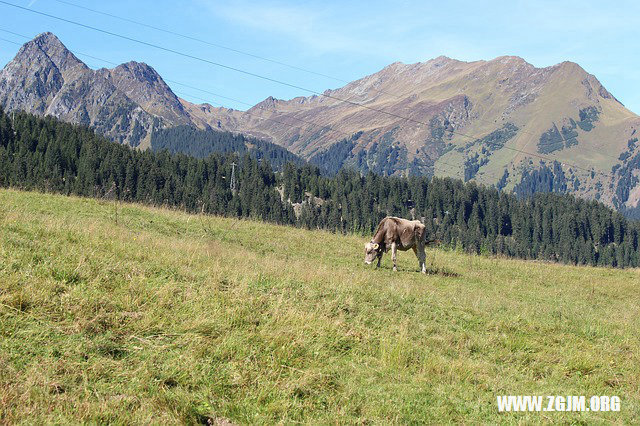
<point x="49" y="155"/>
<point x="202" y="143"/>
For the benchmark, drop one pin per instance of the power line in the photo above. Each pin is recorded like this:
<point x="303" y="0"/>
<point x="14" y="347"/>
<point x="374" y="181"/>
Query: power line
<point x="188" y="37"/>
<point x="220" y="46"/>
<point x="459" y="173"/>
<point x="243" y="112"/>
<point x="263" y="58"/>
<point x="269" y="60"/>
<point x="592" y="170"/>
<point x="456" y="172"/>
<point x="456" y="166"/>
<point x="273" y="80"/>
<point x="192" y="87"/>
<point x="251" y="105"/>
<point x="10" y="41"/>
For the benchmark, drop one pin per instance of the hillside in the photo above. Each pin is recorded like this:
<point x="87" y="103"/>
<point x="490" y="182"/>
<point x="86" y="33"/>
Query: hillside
<point x="53" y="156"/>
<point x="470" y="120"/>
<point x="500" y="122"/>
<point x="203" y="143"/>
<point x="126" y="103"/>
<point x="126" y="314"/>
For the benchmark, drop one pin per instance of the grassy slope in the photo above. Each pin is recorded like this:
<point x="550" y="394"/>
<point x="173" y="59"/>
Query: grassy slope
<point x="168" y="317"/>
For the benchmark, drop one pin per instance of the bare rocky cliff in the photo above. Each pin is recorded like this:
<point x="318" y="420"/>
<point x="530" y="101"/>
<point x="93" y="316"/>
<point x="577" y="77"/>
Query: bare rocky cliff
<point x="125" y="103"/>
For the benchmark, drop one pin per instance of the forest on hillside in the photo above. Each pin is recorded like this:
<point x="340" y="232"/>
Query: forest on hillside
<point x="202" y="143"/>
<point x="48" y="155"/>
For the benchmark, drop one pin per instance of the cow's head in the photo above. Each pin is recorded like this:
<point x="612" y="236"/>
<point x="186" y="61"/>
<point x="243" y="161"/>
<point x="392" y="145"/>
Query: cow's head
<point x="371" y="251"/>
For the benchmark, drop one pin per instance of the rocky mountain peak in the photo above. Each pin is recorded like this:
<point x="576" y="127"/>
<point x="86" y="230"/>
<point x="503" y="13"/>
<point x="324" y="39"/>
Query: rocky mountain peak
<point x="123" y="103"/>
<point x="268" y="103"/>
<point x="46" y="41"/>
<point x="142" y="84"/>
<point x="54" y="50"/>
<point x="507" y="59"/>
<point x="138" y="71"/>
<point x="442" y="60"/>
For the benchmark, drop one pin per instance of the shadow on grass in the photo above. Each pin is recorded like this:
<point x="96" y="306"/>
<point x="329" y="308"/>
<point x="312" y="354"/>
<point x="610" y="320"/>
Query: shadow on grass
<point x="445" y="272"/>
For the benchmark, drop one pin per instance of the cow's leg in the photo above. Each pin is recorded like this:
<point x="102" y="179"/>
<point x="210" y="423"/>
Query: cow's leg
<point x="379" y="260"/>
<point x="422" y="257"/>
<point x="416" y="252"/>
<point x="394" y="251"/>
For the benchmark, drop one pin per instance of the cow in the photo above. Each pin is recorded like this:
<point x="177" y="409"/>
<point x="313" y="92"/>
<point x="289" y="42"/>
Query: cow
<point x="397" y="234"/>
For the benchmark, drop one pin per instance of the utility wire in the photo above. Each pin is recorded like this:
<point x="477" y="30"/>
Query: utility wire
<point x="459" y="173"/>
<point x="220" y="46"/>
<point x="195" y="88"/>
<point x="10" y="41"/>
<point x="456" y="172"/>
<point x="263" y="58"/>
<point x="252" y="105"/>
<point x="273" y="80"/>
<point x="321" y="127"/>
<point x="249" y="73"/>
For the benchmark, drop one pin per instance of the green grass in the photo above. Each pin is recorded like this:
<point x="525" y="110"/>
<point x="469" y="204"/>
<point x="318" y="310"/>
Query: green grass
<point x="156" y="316"/>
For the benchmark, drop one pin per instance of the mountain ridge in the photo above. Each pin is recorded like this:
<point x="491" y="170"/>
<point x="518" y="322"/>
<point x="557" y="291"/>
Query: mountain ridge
<point x="495" y="119"/>
<point x="454" y="104"/>
<point x="125" y="103"/>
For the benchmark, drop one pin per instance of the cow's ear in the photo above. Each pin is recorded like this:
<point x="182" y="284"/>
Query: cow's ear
<point x="375" y="246"/>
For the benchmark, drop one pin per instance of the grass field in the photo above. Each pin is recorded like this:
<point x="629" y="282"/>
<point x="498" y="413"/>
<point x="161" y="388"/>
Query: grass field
<point x="133" y="314"/>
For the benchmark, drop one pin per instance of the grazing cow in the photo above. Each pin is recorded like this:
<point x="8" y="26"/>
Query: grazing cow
<point x="397" y="234"/>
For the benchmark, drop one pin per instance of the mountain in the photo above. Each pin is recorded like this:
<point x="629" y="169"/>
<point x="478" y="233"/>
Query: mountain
<point x="130" y="103"/>
<point x="126" y="103"/>
<point x="45" y="78"/>
<point x="501" y="122"/>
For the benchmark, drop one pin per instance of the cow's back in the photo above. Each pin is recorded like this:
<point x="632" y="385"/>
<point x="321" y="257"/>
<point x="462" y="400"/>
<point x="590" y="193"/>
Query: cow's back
<point x="403" y="231"/>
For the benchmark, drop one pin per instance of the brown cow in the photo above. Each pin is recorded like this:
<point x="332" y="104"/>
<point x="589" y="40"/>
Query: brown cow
<point x="397" y="234"/>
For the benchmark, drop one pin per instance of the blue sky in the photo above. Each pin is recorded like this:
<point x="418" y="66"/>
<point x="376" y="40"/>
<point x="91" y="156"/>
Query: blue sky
<point x="343" y="39"/>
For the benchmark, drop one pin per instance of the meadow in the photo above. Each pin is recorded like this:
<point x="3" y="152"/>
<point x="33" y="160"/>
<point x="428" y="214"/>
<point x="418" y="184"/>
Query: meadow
<point x="121" y="313"/>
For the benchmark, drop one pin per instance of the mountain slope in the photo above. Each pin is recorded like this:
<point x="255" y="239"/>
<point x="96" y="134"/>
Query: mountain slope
<point x="51" y="155"/>
<point x="476" y="116"/>
<point x="128" y="103"/>
<point x="144" y="86"/>
<point x="202" y="143"/>
<point x="502" y="122"/>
